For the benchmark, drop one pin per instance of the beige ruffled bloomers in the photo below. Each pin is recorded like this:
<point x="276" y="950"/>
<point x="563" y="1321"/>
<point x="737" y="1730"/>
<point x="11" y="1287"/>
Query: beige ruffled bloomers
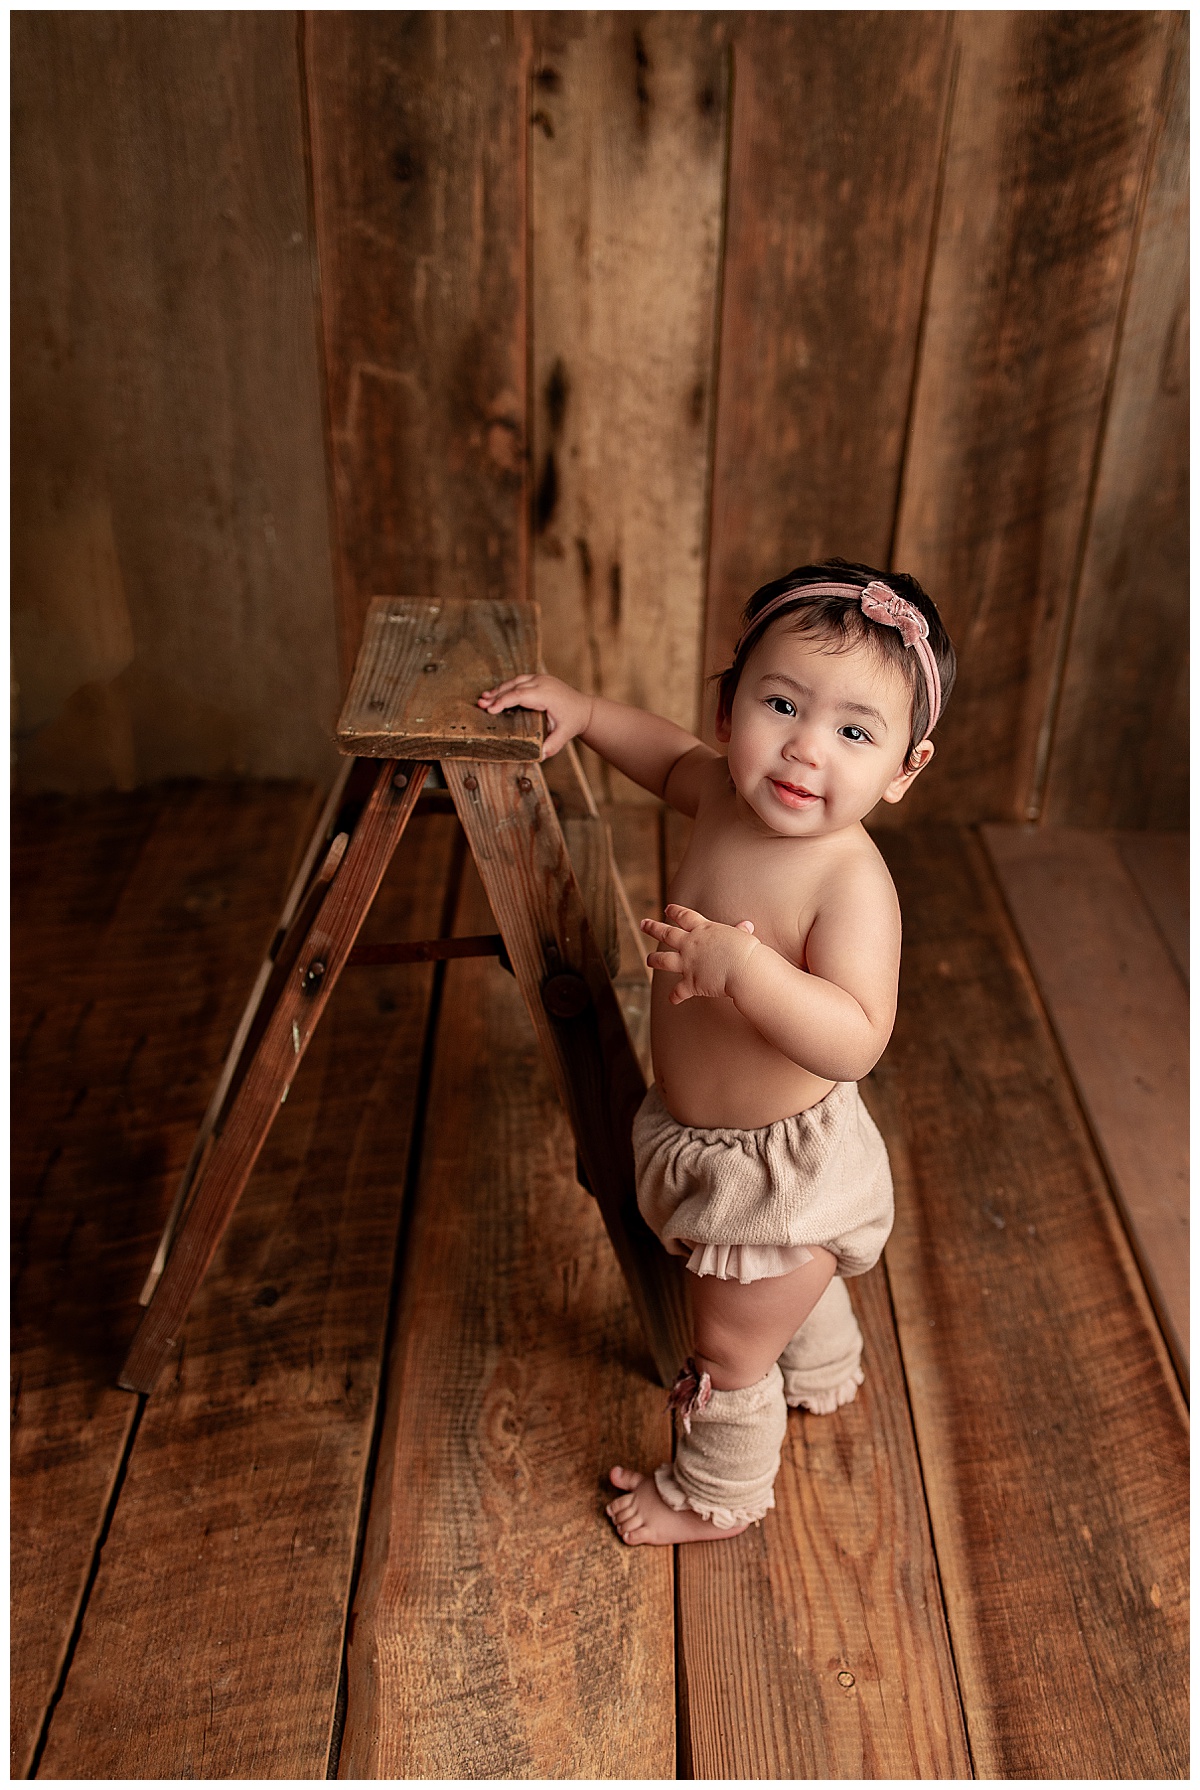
<point x="743" y="1205"/>
<point x="821" y="1176"/>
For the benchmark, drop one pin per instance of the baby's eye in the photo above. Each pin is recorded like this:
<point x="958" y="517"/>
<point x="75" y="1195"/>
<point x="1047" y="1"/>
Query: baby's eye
<point x="854" y="734"/>
<point x="781" y="705"/>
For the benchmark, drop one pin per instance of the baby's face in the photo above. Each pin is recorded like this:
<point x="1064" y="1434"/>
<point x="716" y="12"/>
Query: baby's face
<point x="817" y="737"/>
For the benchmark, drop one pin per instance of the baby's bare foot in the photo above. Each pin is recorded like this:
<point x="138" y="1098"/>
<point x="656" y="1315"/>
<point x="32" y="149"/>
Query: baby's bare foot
<point x="641" y="1516"/>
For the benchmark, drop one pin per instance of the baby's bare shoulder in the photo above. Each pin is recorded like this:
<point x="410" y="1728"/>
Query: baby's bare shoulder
<point x="854" y="878"/>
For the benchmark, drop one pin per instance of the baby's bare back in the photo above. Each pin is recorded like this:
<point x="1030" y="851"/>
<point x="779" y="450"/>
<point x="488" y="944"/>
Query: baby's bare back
<point x="713" y="1067"/>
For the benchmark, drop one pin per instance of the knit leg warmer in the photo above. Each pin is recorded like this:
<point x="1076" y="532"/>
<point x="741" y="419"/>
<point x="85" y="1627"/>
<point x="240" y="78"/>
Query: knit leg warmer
<point x="821" y="1365"/>
<point x="725" y="1467"/>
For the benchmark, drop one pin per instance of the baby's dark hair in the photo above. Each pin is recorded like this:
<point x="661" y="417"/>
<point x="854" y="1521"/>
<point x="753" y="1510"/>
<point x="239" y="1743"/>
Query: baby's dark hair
<point x="841" y="621"/>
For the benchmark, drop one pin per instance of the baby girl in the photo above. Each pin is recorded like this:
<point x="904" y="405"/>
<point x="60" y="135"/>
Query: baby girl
<point x="774" y="993"/>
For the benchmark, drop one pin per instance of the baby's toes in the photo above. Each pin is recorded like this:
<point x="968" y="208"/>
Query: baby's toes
<point x="627" y="1478"/>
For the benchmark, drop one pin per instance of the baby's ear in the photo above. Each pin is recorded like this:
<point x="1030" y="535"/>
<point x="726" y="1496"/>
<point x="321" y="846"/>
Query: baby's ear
<point x="909" y="771"/>
<point x="721" y="727"/>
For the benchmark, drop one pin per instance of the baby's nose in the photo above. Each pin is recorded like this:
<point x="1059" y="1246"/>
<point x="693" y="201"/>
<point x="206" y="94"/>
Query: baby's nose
<point x="803" y="745"/>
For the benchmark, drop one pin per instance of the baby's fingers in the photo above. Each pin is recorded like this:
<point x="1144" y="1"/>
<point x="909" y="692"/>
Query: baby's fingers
<point x="666" y="960"/>
<point x="687" y="917"/>
<point x="487" y="698"/>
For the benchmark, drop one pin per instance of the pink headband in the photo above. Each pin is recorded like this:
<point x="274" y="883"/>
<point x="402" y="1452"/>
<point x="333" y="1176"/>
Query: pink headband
<point x="879" y="604"/>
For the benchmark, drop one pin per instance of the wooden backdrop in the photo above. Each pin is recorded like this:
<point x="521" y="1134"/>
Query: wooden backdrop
<point x="627" y="312"/>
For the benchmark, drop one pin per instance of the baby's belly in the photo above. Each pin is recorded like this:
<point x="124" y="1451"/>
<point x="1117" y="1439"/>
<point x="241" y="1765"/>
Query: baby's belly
<point x="714" y="1069"/>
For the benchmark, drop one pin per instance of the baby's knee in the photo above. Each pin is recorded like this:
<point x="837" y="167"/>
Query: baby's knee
<point x="728" y="1363"/>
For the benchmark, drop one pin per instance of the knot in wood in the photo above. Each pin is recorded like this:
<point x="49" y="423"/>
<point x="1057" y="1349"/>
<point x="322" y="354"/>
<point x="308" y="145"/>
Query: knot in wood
<point x="565" y="995"/>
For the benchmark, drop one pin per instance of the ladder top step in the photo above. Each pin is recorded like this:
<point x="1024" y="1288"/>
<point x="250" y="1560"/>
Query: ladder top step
<point x="420" y="667"/>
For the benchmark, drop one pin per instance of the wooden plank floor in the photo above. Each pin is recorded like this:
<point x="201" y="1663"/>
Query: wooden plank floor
<point x="501" y="1629"/>
<point x="250" y="1458"/>
<point x="1103" y="920"/>
<point x="1051" y="1426"/>
<point x="138" y="923"/>
<point x="978" y="1568"/>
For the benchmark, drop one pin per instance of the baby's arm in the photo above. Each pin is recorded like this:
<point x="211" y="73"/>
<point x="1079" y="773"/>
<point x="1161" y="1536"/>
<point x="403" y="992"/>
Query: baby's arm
<point x="833" y="1019"/>
<point x="647" y="748"/>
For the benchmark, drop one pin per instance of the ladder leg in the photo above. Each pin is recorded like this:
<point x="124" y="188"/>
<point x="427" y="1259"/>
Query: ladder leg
<point x="518" y="845"/>
<point x="260" y="998"/>
<point x="272" y="1065"/>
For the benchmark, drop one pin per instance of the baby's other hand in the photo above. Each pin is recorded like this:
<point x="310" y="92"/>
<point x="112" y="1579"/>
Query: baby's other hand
<point x="567" y="710"/>
<point x="704" y="954"/>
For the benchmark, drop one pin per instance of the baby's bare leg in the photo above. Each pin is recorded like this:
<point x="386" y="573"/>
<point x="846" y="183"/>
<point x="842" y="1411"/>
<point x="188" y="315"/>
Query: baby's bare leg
<point x="740" y="1331"/>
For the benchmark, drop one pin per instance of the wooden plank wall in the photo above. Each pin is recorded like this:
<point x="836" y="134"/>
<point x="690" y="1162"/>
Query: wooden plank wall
<point x="837" y="125"/>
<point x="172" y="584"/>
<point x="628" y="124"/>
<point x="418" y="154"/>
<point x="623" y="311"/>
<point x="1129" y="645"/>
<point x="1055" y="116"/>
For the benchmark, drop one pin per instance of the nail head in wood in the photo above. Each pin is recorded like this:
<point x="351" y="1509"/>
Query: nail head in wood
<point x="313" y="976"/>
<point x="565" y="996"/>
<point x="471" y="783"/>
<point x="525" y="784"/>
<point x="399" y="781"/>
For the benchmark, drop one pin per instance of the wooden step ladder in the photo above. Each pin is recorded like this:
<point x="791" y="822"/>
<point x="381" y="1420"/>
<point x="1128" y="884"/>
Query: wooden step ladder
<point x="411" y="704"/>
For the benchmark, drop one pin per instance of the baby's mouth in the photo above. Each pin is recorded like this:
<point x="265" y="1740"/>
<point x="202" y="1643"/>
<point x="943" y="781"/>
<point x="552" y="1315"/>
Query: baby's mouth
<point x="794" y="795"/>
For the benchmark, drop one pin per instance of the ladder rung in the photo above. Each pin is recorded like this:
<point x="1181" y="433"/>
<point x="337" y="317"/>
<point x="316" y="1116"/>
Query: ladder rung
<point x="429" y="950"/>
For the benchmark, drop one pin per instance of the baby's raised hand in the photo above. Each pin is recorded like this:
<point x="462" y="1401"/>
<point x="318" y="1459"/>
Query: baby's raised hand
<point x="567" y="710"/>
<point x="704" y="954"/>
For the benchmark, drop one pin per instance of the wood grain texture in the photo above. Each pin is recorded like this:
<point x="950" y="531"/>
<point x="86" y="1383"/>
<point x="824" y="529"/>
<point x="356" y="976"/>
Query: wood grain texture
<point x="837" y="126"/>
<point x="1052" y="121"/>
<point x="1051" y="1430"/>
<point x="420" y="670"/>
<point x="1158" y="864"/>
<point x="814" y="1645"/>
<point x="172" y="582"/>
<point x="635" y="832"/>
<point x="419" y="153"/>
<point x="590" y="850"/>
<point x="1120" y="756"/>
<point x="629" y="117"/>
<point x="113" y="1062"/>
<point x="589" y="843"/>
<point x="521" y="855"/>
<point x="272" y="1060"/>
<point x="213" y="1638"/>
<point x="1120" y="1012"/>
<point x="500" y="1628"/>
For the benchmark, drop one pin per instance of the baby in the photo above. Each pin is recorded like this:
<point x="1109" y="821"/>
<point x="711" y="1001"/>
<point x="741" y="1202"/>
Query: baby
<point x="774" y="992"/>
